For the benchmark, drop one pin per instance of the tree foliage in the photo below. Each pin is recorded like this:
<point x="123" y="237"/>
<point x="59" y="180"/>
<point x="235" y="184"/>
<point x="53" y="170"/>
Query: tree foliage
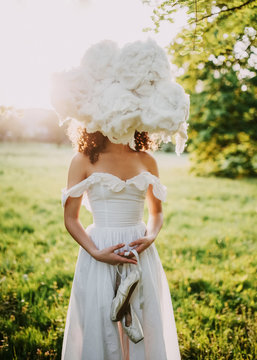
<point x="203" y="16"/>
<point x="39" y="125"/>
<point x="217" y="55"/>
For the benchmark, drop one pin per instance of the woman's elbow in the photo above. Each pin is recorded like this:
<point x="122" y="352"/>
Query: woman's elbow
<point x="158" y="216"/>
<point x="161" y="218"/>
<point x="69" y="221"/>
<point x="66" y="222"/>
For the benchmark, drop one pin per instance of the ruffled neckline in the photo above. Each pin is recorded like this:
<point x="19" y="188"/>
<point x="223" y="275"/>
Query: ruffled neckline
<point x="116" y="184"/>
<point x="127" y="181"/>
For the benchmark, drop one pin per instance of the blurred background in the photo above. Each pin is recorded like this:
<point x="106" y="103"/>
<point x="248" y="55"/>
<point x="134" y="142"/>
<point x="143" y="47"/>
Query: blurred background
<point x="208" y="242"/>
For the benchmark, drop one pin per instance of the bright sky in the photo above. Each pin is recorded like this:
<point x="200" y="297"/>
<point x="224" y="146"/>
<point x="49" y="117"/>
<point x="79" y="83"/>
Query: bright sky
<point x="38" y="37"/>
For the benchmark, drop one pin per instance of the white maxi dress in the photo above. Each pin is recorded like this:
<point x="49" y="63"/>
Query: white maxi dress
<point x="117" y="207"/>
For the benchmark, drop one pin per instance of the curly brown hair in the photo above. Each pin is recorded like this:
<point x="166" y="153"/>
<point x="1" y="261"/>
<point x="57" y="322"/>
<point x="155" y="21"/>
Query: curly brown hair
<point x="91" y="144"/>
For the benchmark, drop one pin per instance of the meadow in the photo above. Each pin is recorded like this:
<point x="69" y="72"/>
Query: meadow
<point x="207" y="247"/>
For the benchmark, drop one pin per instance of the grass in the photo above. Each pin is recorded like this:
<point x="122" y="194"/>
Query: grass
<point x="207" y="247"/>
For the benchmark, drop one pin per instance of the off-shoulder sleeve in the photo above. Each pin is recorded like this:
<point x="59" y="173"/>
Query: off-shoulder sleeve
<point x="159" y="190"/>
<point x="147" y="178"/>
<point x="74" y="191"/>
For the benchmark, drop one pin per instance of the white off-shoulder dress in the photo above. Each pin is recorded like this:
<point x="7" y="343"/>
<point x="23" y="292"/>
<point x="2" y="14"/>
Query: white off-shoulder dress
<point x="117" y="207"/>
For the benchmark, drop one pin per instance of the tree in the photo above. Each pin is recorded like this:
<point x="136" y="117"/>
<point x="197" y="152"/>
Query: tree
<point x="10" y="123"/>
<point x="203" y="16"/>
<point x="220" y="76"/>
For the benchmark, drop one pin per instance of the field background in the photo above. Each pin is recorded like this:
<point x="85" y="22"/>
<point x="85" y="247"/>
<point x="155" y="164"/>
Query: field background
<point x="207" y="247"/>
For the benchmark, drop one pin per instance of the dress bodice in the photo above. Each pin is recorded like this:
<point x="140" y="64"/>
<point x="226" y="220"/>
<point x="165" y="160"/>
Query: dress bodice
<point x="114" y="202"/>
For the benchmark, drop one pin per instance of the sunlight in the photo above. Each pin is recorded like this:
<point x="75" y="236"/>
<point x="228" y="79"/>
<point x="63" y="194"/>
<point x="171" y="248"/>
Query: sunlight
<point x="39" y="37"/>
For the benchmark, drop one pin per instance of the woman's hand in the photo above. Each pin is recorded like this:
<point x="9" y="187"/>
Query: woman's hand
<point x="143" y="243"/>
<point x="108" y="256"/>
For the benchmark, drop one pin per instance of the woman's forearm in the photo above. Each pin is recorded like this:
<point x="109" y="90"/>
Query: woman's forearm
<point x="79" y="234"/>
<point x="154" y="224"/>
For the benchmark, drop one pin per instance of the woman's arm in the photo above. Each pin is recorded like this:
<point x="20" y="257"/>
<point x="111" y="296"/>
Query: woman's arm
<point x="71" y="218"/>
<point x="155" y="218"/>
<point x="73" y="204"/>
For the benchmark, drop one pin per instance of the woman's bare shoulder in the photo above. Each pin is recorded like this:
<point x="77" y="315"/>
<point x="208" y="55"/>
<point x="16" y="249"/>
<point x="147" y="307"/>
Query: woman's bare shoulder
<point x="80" y="158"/>
<point x="78" y="168"/>
<point x="149" y="162"/>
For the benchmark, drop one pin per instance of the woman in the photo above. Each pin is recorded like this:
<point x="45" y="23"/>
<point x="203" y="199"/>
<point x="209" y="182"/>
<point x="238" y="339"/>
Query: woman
<point x="101" y="166"/>
<point x="126" y="103"/>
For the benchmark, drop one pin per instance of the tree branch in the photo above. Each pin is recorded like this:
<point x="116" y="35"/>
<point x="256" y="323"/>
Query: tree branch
<point x="196" y="18"/>
<point x="225" y="10"/>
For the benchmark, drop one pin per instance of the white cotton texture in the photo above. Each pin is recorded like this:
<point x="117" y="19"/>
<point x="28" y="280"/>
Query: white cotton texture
<point x="119" y="90"/>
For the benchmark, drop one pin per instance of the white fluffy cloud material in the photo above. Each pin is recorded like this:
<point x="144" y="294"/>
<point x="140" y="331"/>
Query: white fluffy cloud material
<point x="119" y="90"/>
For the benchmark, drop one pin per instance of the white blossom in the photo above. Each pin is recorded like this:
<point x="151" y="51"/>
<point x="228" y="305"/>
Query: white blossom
<point x="236" y="67"/>
<point x="252" y="61"/>
<point x="250" y="31"/>
<point x="199" y="86"/>
<point x="245" y="73"/>
<point x="240" y="49"/>
<point x="200" y="66"/>
<point x="216" y="74"/>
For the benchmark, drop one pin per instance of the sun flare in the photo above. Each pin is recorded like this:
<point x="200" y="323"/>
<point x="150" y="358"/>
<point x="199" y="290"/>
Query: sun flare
<point x="42" y="36"/>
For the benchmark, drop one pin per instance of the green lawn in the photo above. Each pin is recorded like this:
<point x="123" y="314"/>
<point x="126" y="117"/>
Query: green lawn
<point x="207" y="246"/>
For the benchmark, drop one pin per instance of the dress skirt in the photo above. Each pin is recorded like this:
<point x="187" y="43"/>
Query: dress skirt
<point x="89" y="332"/>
